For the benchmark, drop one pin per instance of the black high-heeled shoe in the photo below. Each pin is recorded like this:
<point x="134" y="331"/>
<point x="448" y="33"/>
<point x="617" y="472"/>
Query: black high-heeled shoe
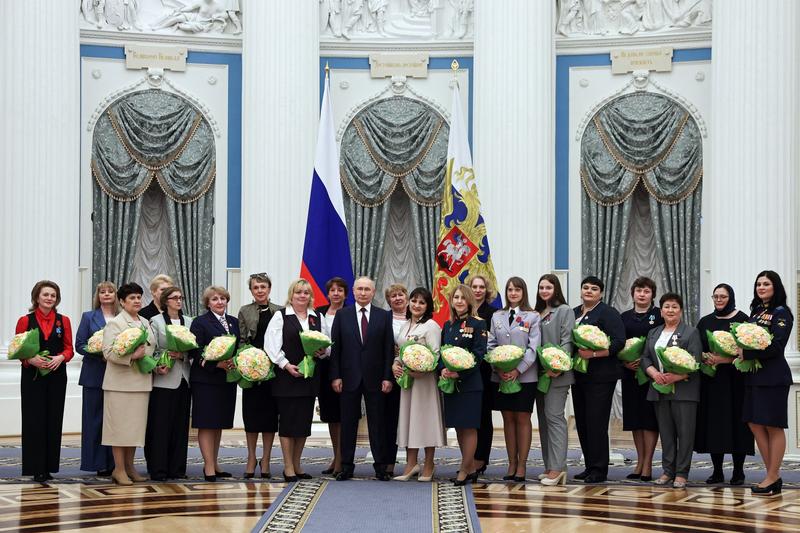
<point x="264" y="475"/>
<point x="304" y="476"/>
<point x="327" y="472"/>
<point x="211" y="478"/>
<point x="289" y="479"/>
<point x="482" y="470"/>
<point x="769" y="490"/>
<point x="509" y="477"/>
<point x="223" y="474"/>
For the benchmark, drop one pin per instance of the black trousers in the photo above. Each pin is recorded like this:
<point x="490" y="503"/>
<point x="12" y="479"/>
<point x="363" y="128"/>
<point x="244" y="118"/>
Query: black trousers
<point x="486" y="431"/>
<point x="42" y="399"/>
<point x="391" y="418"/>
<point x="167" y="438"/>
<point x="351" y="412"/>
<point x="592" y="403"/>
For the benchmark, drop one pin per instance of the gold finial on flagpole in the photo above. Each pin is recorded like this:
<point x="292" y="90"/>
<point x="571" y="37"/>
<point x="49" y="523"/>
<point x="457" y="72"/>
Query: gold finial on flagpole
<point x="327" y="69"/>
<point x="454" y="66"/>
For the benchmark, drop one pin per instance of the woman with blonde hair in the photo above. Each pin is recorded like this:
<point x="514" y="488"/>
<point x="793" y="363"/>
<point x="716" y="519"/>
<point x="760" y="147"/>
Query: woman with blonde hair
<point x="294" y="393"/>
<point x="95" y="456"/>
<point x="157" y="284"/>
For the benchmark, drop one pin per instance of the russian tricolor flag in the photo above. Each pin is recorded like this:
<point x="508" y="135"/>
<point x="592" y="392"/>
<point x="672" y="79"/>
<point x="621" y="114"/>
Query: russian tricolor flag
<point x="326" y="252"/>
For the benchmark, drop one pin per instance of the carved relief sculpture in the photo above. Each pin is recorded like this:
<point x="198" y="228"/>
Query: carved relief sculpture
<point x="578" y="18"/>
<point x="164" y="16"/>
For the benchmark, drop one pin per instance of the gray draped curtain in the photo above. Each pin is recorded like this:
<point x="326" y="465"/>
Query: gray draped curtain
<point x="144" y="137"/>
<point x="393" y="142"/>
<point x="643" y="140"/>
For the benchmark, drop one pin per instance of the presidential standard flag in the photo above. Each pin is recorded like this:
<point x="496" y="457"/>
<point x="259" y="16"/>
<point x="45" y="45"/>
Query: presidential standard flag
<point x="463" y="248"/>
<point x="326" y="252"/>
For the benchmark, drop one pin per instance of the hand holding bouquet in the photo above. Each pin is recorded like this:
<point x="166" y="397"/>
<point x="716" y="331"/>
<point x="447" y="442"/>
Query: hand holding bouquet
<point x="180" y="339"/>
<point x="128" y="341"/>
<point x="455" y="359"/>
<point x="588" y="337"/>
<point x="676" y="361"/>
<point x="750" y="336"/>
<point x="252" y="366"/>
<point x="505" y="358"/>
<point x="313" y="341"/>
<point x="631" y="353"/>
<point x="415" y="357"/>
<point x="554" y="359"/>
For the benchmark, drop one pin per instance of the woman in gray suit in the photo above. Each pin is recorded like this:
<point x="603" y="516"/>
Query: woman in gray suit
<point x="557" y="320"/>
<point x="167" y="437"/>
<point x="676" y="412"/>
<point x="516" y="324"/>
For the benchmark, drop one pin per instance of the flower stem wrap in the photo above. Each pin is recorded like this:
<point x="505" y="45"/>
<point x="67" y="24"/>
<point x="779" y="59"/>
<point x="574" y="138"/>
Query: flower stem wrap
<point x="554" y="359"/>
<point x="588" y="337"/>
<point x="313" y="341"/>
<point x="505" y="358"/>
<point x="631" y="353"/>
<point x="147" y="364"/>
<point x="164" y="359"/>
<point x="415" y="357"/>
<point x="750" y="337"/>
<point x="24" y="345"/>
<point x="180" y="339"/>
<point x="455" y="359"/>
<point x="676" y="361"/>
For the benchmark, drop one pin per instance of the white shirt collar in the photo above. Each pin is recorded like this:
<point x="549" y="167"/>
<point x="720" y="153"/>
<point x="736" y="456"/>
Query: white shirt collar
<point x="219" y="317"/>
<point x="515" y="309"/>
<point x="368" y="307"/>
<point x="290" y="311"/>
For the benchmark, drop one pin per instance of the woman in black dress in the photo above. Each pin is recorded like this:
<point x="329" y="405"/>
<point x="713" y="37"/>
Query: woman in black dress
<point x="259" y="412"/>
<point x="484" y="295"/>
<point x="720" y="429"/>
<point x="767" y="391"/>
<point x="638" y="415"/>
<point x="329" y="409"/>
<point x="462" y="408"/>
<point x="294" y="394"/>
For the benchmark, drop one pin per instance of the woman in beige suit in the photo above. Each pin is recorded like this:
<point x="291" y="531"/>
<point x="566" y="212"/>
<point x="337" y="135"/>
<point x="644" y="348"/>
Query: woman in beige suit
<point x="421" y="424"/>
<point x="126" y="391"/>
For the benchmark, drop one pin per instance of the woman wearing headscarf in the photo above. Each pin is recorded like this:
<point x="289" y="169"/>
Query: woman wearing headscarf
<point x="720" y="429"/>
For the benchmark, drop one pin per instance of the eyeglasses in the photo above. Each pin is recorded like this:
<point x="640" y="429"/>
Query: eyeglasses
<point x="258" y="275"/>
<point x="176" y="298"/>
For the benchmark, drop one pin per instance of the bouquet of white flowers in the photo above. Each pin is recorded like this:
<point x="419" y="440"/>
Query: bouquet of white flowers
<point x="220" y="348"/>
<point x="588" y="337"/>
<point x="455" y="359"/>
<point x="505" y="358"/>
<point x="180" y="339"/>
<point x="24" y="345"/>
<point x="750" y="337"/>
<point x="415" y="357"/>
<point x="677" y="361"/>
<point x="94" y="346"/>
<point x="554" y="359"/>
<point x="252" y="366"/>
<point x="313" y="341"/>
<point x="632" y="352"/>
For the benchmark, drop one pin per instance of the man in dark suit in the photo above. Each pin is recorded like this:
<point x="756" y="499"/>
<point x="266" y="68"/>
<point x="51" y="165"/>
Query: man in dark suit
<point x="361" y="365"/>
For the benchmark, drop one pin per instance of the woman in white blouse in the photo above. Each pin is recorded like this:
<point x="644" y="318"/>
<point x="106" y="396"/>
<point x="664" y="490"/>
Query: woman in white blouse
<point x="294" y="394"/>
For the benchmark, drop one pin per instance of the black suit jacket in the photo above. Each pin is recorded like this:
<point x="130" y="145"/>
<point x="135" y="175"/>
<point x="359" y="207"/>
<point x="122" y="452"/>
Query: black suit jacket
<point x="355" y="362"/>
<point x="206" y="327"/>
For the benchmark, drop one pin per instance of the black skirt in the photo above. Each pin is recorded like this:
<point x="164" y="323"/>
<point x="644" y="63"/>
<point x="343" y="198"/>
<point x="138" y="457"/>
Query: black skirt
<point x="720" y="428"/>
<point x="295" y="415"/>
<point x="259" y="410"/>
<point x="213" y="405"/>
<point x="462" y="410"/>
<point x="767" y="406"/>
<point x="520" y="402"/>
<point x="637" y="412"/>
<point x="329" y="410"/>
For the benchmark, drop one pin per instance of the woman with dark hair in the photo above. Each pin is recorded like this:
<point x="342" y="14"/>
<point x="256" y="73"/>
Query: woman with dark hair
<point x="126" y="391"/>
<point x="767" y="391"/>
<point x="95" y="456"/>
<point x="593" y="391"/>
<point x="638" y="415"/>
<point x="213" y="398"/>
<point x="420" y="423"/>
<point x="167" y="436"/>
<point x="516" y="324"/>
<point x="294" y="393"/>
<point x="720" y="428"/>
<point x="676" y="412"/>
<point x="484" y="293"/>
<point x="462" y="409"/>
<point x="42" y="397"/>
<point x="329" y="409"/>
<point x="259" y="412"/>
<point x="556" y="326"/>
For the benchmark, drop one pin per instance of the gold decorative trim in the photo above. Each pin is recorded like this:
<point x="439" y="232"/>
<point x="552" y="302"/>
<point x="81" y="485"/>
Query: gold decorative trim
<point x="382" y="165"/>
<point x="591" y="195"/>
<point x="688" y="192"/>
<point x="162" y="182"/>
<point x="416" y="199"/>
<point x="136" y="193"/>
<point x="170" y="158"/>
<point x="352" y="194"/>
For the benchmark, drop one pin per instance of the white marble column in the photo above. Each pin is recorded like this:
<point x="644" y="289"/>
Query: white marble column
<point x="280" y="114"/>
<point x="514" y="134"/>
<point x="754" y="163"/>
<point x="39" y="150"/>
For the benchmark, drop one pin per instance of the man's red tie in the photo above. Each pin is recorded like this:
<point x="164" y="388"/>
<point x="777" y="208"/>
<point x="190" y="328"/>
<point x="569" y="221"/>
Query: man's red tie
<point x="364" y="324"/>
